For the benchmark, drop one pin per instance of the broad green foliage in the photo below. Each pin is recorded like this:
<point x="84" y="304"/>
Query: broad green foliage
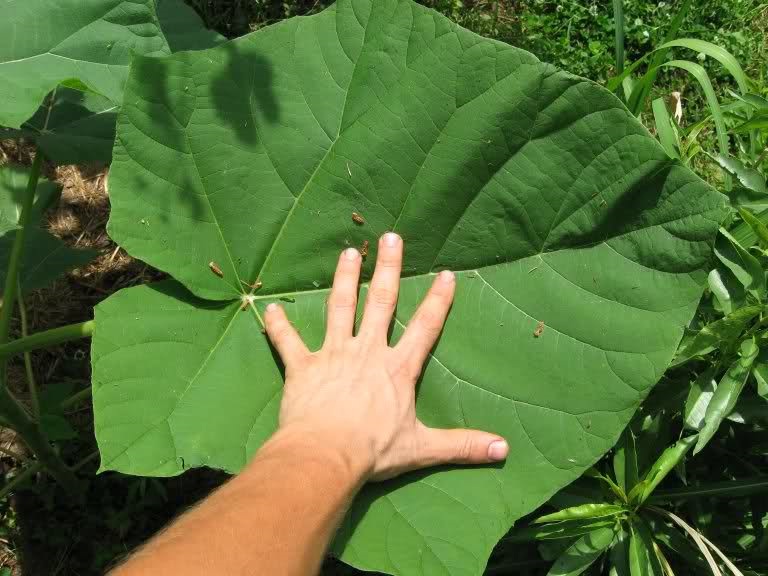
<point x="45" y="256"/>
<point x="551" y="202"/>
<point x="74" y="127"/>
<point x="77" y="124"/>
<point x="183" y="28"/>
<point x="85" y="44"/>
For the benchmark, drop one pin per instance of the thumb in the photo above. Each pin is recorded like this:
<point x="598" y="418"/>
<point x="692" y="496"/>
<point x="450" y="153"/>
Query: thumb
<point x="461" y="446"/>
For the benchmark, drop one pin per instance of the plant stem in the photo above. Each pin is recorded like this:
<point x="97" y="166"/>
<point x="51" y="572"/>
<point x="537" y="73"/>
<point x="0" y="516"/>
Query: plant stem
<point x="47" y="338"/>
<point x="14" y="262"/>
<point x="77" y="397"/>
<point x="51" y="102"/>
<point x="20" y="478"/>
<point x="85" y="460"/>
<point x="10" y="409"/>
<point x="33" y="396"/>
<point x="30" y="432"/>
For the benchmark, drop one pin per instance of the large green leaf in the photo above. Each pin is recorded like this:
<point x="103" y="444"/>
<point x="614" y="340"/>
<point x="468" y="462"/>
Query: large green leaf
<point x="551" y="202"/>
<point x="43" y="44"/>
<point x="45" y="256"/>
<point x="75" y="125"/>
<point x="183" y="28"/>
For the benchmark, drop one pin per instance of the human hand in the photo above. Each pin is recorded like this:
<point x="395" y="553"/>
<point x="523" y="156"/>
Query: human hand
<point x="357" y="394"/>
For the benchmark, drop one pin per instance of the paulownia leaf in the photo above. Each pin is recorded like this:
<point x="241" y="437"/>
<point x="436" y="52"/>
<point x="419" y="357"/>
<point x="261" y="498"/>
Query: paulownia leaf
<point x="544" y="194"/>
<point x="44" y="44"/>
<point x="183" y="28"/>
<point x="45" y="256"/>
<point x="77" y="125"/>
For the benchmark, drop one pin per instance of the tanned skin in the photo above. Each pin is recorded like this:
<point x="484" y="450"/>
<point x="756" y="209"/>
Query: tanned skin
<point x="347" y="417"/>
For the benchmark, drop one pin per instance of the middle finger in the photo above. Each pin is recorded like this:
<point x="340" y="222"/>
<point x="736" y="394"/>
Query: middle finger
<point x="382" y="293"/>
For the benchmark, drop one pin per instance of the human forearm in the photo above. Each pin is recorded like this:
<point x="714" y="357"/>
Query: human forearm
<point x="240" y="530"/>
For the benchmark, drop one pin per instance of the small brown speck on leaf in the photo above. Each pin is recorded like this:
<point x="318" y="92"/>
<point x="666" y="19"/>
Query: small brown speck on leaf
<point x="364" y="249"/>
<point x="539" y="330"/>
<point x="357" y="218"/>
<point x="253" y="286"/>
<point x="215" y="269"/>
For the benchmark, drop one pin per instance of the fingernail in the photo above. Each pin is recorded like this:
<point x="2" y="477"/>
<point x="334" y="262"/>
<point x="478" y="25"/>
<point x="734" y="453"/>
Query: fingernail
<point x="271" y="307"/>
<point x="351" y="253"/>
<point x="446" y="276"/>
<point x="498" y="450"/>
<point x="391" y="239"/>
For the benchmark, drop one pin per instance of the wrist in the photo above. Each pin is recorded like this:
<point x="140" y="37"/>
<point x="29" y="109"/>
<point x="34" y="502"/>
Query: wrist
<point x="342" y="453"/>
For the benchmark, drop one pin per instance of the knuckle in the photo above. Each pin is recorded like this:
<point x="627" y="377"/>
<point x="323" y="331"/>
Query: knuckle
<point x="388" y="262"/>
<point x="406" y="371"/>
<point x="341" y="301"/>
<point x="465" y="448"/>
<point x="384" y="297"/>
<point x="413" y="372"/>
<point x="281" y="331"/>
<point x="430" y="321"/>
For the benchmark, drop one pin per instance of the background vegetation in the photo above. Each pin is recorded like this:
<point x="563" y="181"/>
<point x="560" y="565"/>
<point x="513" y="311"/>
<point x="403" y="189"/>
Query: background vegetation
<point x="43" y="530"/>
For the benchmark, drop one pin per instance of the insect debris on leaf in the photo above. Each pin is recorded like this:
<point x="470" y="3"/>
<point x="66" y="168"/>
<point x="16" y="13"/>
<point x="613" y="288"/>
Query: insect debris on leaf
<point x="254" y="285"/>
<point x="287" y="299"/>
<point x="539" y="330"/>
<point x="357" y="218"/>
<point x="364" y="249"/>
<point x="215" y="269"/>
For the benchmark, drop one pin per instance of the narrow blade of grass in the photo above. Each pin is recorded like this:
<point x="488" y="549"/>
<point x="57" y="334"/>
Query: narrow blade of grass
<point x="720" y="54"/>
<point x="701" y="76"/>
<point x="694" y="534"/>
<point x="664" y="128"/>
<point x="643" y="90"/>
<point x="618" y="20"/>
